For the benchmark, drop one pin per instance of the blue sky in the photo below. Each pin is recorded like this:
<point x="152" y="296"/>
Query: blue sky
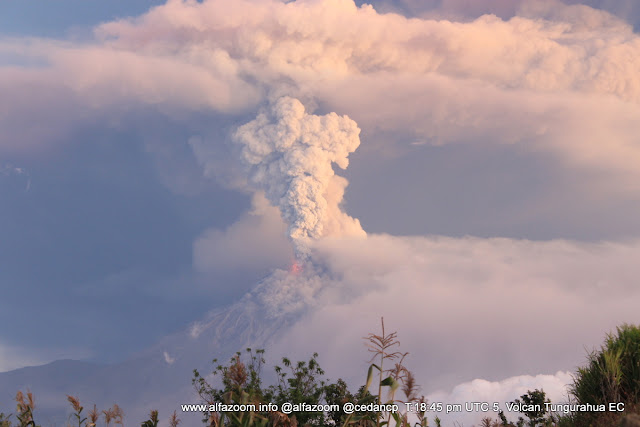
<point x="95" y="213"/>
<point x="41" y="18"/>
<point x="104" y="195"/>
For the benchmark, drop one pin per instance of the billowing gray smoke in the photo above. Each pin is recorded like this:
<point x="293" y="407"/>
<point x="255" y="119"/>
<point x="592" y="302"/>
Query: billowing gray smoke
<point x="289" y="155"/>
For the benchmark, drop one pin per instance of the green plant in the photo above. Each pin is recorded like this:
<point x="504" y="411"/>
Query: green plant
<point x="241" y="384"/>
<point x="489" y="422"/>
<point x="299" y="383"/>
<point x="381" y="347"/>
<point x="535" y="404"/>
<point x="302" y="384"/>
<point x="24" y="409"/>
<point x="398" y="376"/>
<point x="5" y="420"/>
<point x="75" y="404"/>
<point x="338" y="394"/>
<point x="153" y="419"/>
<point x="114" y="414"/>
<point x="174" y="420"/>
<point x="93" y="417"/>
<point x="612" y="375"/>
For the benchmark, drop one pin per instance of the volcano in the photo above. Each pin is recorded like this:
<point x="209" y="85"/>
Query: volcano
<point x="158" y="377"/>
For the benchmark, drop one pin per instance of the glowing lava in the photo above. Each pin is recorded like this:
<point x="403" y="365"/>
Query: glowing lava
<point x="295" y="268"/>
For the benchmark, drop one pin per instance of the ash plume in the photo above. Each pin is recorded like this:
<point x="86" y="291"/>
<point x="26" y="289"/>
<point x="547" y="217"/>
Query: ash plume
<point x="289" y="155"/>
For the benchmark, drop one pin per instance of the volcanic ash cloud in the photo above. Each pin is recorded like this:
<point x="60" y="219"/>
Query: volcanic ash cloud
<point x="289" y="155"/>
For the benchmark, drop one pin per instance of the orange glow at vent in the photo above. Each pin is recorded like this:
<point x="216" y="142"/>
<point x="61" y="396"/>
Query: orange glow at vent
<point x="295" y="268"/>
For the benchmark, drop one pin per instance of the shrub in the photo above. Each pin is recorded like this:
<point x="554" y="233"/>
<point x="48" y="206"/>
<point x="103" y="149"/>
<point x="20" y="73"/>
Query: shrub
<point x="612" y="373"/>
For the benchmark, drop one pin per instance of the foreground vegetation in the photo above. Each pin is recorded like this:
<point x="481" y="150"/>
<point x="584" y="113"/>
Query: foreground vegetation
<point x="611" y="375"/>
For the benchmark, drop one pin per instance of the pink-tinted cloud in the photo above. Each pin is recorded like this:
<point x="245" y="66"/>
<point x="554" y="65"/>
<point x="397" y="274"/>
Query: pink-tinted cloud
<point x="464" y="308"/>
<point x="562" y="79"/>
<point x="257" y="241"/>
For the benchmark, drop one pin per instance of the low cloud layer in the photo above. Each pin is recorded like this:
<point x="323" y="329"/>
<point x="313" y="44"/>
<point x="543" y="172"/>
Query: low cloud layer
<point x="15" y="357"/>
<point x="464" y="308"/>
<point x="245" y="252"/>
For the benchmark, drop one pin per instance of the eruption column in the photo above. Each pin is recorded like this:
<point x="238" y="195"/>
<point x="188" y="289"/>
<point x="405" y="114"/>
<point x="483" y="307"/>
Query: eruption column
<point x="289" y="155"/>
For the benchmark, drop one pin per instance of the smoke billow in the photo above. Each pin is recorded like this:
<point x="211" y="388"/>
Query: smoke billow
<point x="289" y="155"/>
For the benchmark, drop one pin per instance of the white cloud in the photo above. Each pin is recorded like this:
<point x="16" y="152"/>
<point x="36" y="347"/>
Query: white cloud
<point x="312" y="42"/>
<point x="167" y="358"/>
<point x="18" y="175"/>
<point x="500" y="392"/>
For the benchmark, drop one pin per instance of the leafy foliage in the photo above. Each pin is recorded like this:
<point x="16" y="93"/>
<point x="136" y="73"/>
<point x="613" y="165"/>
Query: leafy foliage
<point x="612" y="373"/>
<point x="241" y="384"/>
<point x="24" y="409"/>
<point x="152" y="421"/>
<point x="301" y="384"/>
<point x="5" y="420"/>
<point x="75" y="404"/>
<point x="534" y="402"/>
<point x="298" y="383"/>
